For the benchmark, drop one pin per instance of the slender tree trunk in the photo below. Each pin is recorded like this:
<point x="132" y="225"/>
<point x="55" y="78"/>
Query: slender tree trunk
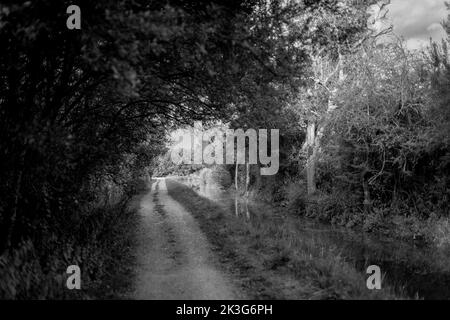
<point x="247" y="188"/>
<point x="311" y="162"/>
<point x="236" y="177"/>
<point x="367" y="201"/>
<point x="247" y="178"/>
<point x="247" y="213"/>
<point x="236" y="185"/>
<point x="258" y="181"/>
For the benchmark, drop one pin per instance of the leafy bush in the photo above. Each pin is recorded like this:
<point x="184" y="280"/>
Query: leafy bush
<point x="384" y="136"/>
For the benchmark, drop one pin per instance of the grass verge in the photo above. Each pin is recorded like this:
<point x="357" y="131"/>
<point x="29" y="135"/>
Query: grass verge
<point x="271" y="259"/>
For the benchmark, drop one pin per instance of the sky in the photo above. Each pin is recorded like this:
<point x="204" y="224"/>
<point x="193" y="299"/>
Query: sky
<point x="418" y="20"/>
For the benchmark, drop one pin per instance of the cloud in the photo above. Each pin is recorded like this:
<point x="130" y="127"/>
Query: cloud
<point x="434" y="27"/>
<point x="418" y="20"/>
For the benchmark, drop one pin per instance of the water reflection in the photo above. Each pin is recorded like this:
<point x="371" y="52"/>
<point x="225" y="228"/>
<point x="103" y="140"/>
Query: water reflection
<point x="220" y="196"/>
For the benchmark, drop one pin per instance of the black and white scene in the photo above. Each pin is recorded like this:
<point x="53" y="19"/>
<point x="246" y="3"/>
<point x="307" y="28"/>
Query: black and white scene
<point x="245" y="150"/>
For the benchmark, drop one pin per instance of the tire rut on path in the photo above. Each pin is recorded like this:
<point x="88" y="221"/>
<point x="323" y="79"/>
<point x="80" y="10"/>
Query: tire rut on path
<point x="174" y="258"/>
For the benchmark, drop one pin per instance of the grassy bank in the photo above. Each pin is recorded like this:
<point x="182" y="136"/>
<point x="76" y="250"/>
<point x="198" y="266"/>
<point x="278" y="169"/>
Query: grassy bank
<point x="398" y="221"/>
<point x="270" y="257"/>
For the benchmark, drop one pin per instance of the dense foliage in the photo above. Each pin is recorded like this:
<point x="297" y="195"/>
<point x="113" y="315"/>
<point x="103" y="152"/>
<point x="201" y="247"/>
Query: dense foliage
<point x="382" y="140"/>
<point x="84" y="114"/>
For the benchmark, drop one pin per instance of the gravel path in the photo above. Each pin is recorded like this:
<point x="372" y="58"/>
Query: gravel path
<point x="174" y="258"/>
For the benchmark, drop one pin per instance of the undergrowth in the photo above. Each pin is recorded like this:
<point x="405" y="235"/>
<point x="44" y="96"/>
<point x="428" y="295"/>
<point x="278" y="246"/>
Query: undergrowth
<point x="271" y="257"/>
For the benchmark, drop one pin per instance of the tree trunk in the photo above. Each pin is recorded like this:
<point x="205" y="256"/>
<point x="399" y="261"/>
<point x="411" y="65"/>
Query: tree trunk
<point x="247" y="188"/>
<point x="311" y="161"/>
<point x="367" y="201"/>
<point x="247" y="213"/>
<point x="236" y="177"/>
<point x="258" y="181"/>
<point x="247" y="178"/>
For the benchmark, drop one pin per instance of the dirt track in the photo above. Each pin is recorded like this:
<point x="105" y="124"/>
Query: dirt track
<point x="174" y="259"/>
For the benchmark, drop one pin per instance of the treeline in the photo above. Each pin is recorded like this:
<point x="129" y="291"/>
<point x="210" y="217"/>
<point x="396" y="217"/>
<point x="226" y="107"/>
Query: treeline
<point x="367" y="140"/>
<point x="384" y="158"/>
<point x="84" y="113"/>
<point x="364" y="130"/>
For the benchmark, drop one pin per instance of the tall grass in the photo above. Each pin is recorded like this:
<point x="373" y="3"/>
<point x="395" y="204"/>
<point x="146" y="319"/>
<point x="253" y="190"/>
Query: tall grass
<point x="271" y="256"/>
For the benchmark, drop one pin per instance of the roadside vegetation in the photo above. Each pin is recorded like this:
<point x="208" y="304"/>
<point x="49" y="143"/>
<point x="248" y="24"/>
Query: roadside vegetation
<point x="85" y="115"/>
<point x="380" y="156"/>
<point x="366" y="144"/>
<point x="270" y="257"/>
<point x="101" y="242"/>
